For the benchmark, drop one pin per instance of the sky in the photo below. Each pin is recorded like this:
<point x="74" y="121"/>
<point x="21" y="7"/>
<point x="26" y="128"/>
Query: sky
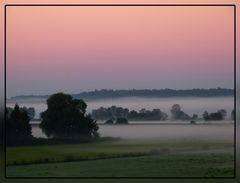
<point x="74" y="49"/>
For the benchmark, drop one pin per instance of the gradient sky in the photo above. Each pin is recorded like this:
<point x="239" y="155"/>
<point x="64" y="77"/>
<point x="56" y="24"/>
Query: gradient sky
<point x="74" y="49"/>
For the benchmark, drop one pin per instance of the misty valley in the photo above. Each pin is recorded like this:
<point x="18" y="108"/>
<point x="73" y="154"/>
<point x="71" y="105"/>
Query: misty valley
<point x="130" y="129"/>
<point x="138" y="90"/>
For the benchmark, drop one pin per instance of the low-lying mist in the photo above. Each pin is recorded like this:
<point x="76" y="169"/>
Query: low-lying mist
<point x="162" y="132"/>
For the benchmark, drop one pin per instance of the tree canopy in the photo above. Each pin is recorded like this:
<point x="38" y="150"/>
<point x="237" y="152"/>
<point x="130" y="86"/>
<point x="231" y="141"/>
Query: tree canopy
<point x="65" y="118"/>
<point x="219" y="115"/>
<point x="114" y="112"/>
<point x="18" y="129"/>
<point x="178" y="114"/>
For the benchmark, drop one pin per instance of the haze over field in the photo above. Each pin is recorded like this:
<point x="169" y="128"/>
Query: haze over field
<point x="177" y="131"/>
<point x="190" y="105"/>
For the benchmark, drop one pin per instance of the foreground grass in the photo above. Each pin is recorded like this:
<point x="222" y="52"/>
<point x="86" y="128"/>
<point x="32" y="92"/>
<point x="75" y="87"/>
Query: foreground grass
<point x="123" y="158"/>
<point x="92" y="151"/>
<point x="173" y="165"/>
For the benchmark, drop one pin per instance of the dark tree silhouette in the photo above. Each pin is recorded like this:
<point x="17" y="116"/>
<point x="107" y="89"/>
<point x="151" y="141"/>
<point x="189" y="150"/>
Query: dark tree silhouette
<point x="194" y="117"/>
<point x="178" y="114"/>
<point x="18" y="129"/>
<point x="119" y="112"/>
<point x="101" y="94"/>
<point x="30" y="111"/>
<point x="112" y="112"/>
<point x="223" y="113"/>
<point x="205" y="115"/>
<point x="219" y="115"/>
<point x="65" y="118"/>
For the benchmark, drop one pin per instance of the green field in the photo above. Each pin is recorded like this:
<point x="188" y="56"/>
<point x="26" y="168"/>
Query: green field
<point x="123" y="158"/>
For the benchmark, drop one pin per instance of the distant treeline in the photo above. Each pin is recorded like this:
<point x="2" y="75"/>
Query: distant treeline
<point x="114" y="113"/>
<point x="102" y="94"/>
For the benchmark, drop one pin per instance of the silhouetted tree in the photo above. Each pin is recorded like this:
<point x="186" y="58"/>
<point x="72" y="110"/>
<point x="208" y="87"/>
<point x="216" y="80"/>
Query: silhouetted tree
<point x="195" y="116"/>
<point x="30" y="111"/>
<point x="205" y="115"/>
<point x="112" y="112"/>
<point x="133" y="114"/>
<point x="219" y="115"/>
<point x="18" y="129"/>
<point x="178" y="114"/>
<point x="215" y="116"/>
<point x="101" y="94"/>
<point x="65" y="118"/>
<point x="119" y="112"/>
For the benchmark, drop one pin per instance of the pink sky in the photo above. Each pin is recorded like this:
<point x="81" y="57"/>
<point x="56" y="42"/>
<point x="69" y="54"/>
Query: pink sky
<point x="73" y="49"/>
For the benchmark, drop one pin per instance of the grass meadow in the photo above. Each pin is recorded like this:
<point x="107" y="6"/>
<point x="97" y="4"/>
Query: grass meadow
<point x="123" y="158"/>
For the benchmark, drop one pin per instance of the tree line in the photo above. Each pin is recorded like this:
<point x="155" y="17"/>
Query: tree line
<point x="113" y="113"/>
<point x="66" y="118"/>
<point x="110" y="93"/>
<point x="99" y="94"/>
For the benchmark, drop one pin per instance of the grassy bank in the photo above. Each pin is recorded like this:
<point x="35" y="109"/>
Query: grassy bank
<point x="123" y="158"/>
<point x="172" y="165"/>
<point x="91" y="151"/>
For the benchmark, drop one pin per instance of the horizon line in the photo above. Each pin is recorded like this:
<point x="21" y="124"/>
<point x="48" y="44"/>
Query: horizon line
<point x="103" y="89"/>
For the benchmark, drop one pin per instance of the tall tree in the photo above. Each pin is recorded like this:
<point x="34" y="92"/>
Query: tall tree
<point x="65" y="118"/>
<point x="18" y="128"/>
<point x="178" y="114"/>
